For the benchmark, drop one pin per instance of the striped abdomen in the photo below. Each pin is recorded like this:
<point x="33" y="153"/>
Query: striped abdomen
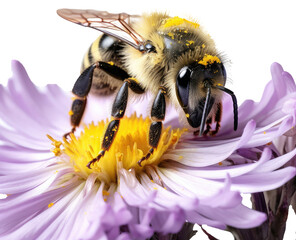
<point x="106" y="49"/>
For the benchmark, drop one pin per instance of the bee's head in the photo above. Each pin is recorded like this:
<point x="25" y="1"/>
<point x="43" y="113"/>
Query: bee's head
<point x="198" y="87"/>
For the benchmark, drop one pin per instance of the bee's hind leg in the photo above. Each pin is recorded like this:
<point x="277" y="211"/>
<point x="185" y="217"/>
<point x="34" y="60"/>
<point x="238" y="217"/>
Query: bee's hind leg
<point x="81" y="89"/>
<point x="157" y="116"/>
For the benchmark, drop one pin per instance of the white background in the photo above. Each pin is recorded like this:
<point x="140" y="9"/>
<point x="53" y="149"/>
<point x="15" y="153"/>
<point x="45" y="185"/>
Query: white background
<point x="252" y="34"/>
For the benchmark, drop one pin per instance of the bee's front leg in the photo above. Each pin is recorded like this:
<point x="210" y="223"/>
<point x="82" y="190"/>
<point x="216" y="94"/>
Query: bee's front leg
<point x="218" y="116"/>
<point x="118" y="110"/>
<point x="157" y="116"/>
<point x="214" y="118"/>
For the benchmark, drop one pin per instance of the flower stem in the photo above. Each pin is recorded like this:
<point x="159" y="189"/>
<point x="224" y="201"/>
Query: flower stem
<point x="185" y="233"/>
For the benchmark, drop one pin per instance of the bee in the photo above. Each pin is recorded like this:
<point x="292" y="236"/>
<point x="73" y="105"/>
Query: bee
<point x="171" y="57"/>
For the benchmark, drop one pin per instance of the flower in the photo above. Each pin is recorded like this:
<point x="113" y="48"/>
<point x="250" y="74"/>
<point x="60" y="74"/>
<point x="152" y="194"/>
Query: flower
<point x="275" y="203"/>
<point x="50" y="195"/>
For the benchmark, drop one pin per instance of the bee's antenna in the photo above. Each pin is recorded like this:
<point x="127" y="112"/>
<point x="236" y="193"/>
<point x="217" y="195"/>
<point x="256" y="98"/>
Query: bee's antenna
<point x="235" y="111"/>
<point x="205" y="111"/>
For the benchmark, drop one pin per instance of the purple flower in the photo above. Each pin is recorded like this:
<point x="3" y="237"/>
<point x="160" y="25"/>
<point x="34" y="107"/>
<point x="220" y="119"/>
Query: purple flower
<point x="54" y="196"/>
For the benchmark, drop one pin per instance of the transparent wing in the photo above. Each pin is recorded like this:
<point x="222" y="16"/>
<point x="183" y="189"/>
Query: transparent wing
<point x="113" y="24"/>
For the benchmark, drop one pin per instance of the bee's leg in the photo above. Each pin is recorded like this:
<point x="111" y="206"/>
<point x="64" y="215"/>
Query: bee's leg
<point x="118" y="110"/>
<point x="157" y="116"/>
<point x="82" y="87"/>
<point x="218" y="116"/>
<point x="208" y="126"/>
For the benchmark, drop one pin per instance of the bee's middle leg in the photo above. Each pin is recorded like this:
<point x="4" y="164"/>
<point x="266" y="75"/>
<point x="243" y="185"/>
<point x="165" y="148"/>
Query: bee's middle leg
<point x="117" y="113"/>
<point x="157" y="116"/>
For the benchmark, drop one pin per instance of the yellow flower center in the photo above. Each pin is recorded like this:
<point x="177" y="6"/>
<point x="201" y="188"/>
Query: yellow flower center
<point x="128" y="147"/>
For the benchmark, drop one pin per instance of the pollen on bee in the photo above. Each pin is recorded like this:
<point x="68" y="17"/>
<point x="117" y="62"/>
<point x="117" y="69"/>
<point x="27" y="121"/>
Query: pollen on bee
<point x="209" y="59"/>
<point x="111" y="63"/>
<point x="134" y="79"/>
<point x="70" y="113"/>
<point x="187" y="115"/>
<point x="170" y="34"/>
<point x="176" y="21"/>
<point x="189" y="42"/>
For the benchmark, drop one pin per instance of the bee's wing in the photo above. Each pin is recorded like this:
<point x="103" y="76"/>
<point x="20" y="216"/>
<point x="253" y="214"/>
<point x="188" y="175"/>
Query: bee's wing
<point x="116" y="25"/>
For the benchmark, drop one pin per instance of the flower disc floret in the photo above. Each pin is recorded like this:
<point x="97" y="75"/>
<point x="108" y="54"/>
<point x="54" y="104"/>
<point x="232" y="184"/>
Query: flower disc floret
<point x="129" y="146"/>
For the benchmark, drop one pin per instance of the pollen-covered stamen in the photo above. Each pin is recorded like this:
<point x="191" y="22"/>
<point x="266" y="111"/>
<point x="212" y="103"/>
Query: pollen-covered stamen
<point x="57" y="144"/>
<point x="130" y="145"/>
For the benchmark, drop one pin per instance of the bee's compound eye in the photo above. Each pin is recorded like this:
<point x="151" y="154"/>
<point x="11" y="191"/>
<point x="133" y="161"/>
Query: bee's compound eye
<point x="150" y="48"/>
<point x="182" y="85"/>
<point x="223" y="71"/>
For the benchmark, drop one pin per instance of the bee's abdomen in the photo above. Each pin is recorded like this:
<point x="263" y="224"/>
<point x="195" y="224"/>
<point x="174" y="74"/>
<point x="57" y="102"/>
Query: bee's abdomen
<point x="107" y="49"/>
<point x="111" y="47"/>
<point x="92" y="55"/>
